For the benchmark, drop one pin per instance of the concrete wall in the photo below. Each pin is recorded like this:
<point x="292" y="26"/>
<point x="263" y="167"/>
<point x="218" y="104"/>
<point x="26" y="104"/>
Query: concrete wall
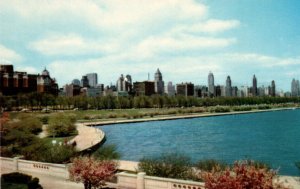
<point x="141" y="181"/>
<point x="16" y="164"/>
<point x="125" y="180"/>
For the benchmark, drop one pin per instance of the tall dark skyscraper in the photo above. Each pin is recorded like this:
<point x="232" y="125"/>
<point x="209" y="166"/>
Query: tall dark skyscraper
<point x="295" y="88"/>
<point x="211" y="84"/>
<point x="158" y="83"/>
<point x="228" y="88"/>
<point x="273" y="89"/>
<point x="254" y="86"/>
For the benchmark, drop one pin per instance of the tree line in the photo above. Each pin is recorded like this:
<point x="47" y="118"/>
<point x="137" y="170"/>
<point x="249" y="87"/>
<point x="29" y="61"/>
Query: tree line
<point x="39" y="101"/>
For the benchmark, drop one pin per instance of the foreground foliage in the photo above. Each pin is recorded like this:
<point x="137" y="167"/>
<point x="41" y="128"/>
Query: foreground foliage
<point x="167" y="165"/>
<point x="11" y="179"/>
<point x="210" y="164"/>
<point x="243" y="175"/>
<point x="18" y="138"/>
<point x="108" y="152"/>
<point x="61" y="126"/>
<point x="91" y="172"/>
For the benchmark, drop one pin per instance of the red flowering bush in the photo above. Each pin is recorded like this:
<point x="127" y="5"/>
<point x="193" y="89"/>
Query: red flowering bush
<point x="92" y="172"/>
<point x="243" y="175"/>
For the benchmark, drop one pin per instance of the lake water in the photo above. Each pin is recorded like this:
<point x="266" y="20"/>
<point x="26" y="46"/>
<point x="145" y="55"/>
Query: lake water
<point x="272" y="137"/>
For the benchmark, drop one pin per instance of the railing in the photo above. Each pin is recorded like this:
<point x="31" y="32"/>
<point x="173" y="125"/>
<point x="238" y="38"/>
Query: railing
<point x="16" y="164"/>
<point x="141" y="181"/>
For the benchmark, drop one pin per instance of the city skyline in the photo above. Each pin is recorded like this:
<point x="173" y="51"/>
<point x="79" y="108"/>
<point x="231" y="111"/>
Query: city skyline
<point x="185" y="40"/>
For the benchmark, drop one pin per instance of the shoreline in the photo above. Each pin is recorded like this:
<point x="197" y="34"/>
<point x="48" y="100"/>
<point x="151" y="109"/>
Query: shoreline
<point x="175" y="117"/>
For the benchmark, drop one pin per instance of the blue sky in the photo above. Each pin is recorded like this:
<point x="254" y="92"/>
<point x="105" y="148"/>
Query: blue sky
<point x="185" y="39"/>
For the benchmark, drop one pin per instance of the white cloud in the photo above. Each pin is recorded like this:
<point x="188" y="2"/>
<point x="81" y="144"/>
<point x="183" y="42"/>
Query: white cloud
<point x="262" y="60"/>
<point x="108" y="14"/>
<point x="212" y="26"/>
<point x="154" y="46"/>
<point x="8" y="55"/>
<point x="71" y="44"/>
<point x="28" y="69"/>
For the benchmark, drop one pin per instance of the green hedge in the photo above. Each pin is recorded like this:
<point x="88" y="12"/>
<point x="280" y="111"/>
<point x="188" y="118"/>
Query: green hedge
<point x="20" y="178"/>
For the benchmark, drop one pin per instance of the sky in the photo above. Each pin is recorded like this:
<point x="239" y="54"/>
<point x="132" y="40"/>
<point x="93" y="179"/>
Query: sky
<point x="185" y="39"/>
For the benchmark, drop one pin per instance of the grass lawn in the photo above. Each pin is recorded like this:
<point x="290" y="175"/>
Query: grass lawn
<point x="58" y="139"/>
<point x="118" y="114"/>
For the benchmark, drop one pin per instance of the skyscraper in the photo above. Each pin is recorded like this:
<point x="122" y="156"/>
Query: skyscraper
<point x="170" y="89"/>
<point x="158" y="82"/>
<point x="295" y="88"/>
<point x="121" y="83"/>
<point x="228" y="88"/>
<point x="93" y="79"/>
<point x="211" y="84"/>
<point x="273" y="89"/>
<point x="185" y="89"/>
<point x="84" y="81"/>
<point x="254" y="86"/>
<point x="124" y="83"/>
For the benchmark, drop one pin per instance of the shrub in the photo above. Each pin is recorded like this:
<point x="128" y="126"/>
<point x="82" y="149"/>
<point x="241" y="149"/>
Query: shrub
<point x="210" y="164"/>
<point x="87" y="117"/>
<point x="242" y="108"/>
<point x="220" y="109"/>
<point x="44" y="119"/>
<point x="22" y="179"/>
<point x="241" y="175"/>
<point x="33" y="124"/>
<point x="112" y="115"/>
<point x="91" y="172"/>
<point x="167" y="165"/>
<point x="263" y="107"/>
<point x="16" y="177"/>
<point x="107" y="153"/>
<point x="45" y="152"/>
<point x="34" y="184"/>
<point x="61" y="126"/>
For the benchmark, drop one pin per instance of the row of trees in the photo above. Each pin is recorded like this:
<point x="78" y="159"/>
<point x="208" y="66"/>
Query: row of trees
<point x="39" y="101"/>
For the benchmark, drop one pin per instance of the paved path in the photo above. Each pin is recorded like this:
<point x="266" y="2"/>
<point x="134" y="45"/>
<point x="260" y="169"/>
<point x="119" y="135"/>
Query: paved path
<point x="87" y="137"/>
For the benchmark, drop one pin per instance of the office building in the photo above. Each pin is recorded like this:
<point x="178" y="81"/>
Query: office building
<point x="93" y="79"/>
<point x="13" y="82"/>
<point x="185" y="89"/>
<point x="254" y="86"/>
<point x="273" y="89"/>
<point x="295" y="88"/>
<point x="158" y="82"/>
<point x="228" y="88"/>
<point x="46" y="84"/>
<point x="145" y="88"/>
<point x="211" y="85"/>
<point x="170" y="89"/>
<point x="124" y="84"/>
<point x="84" y="81"/>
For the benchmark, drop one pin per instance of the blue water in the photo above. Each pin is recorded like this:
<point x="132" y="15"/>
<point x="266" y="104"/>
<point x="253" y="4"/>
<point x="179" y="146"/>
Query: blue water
<point x="272" y="137"/>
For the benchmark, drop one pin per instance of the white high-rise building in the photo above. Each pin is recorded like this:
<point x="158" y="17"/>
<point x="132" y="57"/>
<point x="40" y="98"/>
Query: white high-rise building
<point x="170" y="89"/>
<point x="211" y="84"/>
<point x="124" y="83"/>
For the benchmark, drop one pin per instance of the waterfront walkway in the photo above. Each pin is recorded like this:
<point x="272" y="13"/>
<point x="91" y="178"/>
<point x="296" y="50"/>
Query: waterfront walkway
<point x="87" y="137"/>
